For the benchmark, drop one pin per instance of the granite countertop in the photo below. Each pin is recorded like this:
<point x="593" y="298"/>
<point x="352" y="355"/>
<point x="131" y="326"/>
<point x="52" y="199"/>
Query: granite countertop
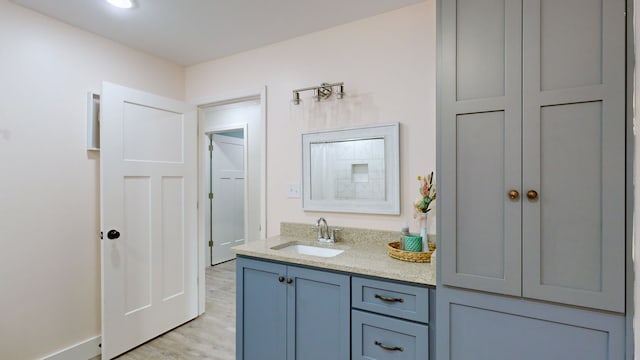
<point x="359" y="257"/>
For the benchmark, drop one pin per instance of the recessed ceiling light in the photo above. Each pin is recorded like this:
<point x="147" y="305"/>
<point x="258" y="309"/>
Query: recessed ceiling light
<point x="123" y="4"/>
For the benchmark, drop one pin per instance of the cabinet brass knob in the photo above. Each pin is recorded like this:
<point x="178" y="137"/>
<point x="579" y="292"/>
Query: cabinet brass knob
<point x="280" y="278"/>
<point x="289" y="281"/>
<point x="532" y="194"/>
<point x="514" y="194"/>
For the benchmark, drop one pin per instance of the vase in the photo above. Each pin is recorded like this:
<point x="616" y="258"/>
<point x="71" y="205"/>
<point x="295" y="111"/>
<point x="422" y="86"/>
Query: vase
<point x="423" y="232"/>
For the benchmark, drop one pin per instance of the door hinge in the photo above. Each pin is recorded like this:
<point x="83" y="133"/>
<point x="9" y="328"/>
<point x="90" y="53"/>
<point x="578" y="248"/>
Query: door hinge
<point x="211" y="148"/>
<point x="210" y="195"/>
<point x="210" y="243"/>
<point x="101" y="235"/>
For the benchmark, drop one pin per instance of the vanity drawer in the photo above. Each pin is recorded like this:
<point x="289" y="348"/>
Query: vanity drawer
<point x="399" y="300"/>
<point x="380" y="337"/>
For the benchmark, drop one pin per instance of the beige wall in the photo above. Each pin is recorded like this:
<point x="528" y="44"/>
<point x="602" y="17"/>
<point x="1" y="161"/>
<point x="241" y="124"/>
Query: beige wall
<point x="388" y="65"/>
<point x="49" y="190"/>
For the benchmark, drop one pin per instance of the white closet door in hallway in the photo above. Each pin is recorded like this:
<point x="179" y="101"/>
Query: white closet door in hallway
<point x="228" y="180"/>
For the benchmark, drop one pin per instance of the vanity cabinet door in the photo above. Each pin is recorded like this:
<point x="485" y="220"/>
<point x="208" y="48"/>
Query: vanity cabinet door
<point x="288" y="312"/>
<point x="318" y="315"/>
<point x="261" y="310"/>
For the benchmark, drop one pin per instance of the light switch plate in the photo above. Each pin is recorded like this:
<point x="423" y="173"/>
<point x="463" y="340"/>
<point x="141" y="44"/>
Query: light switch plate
<point x="293" y="190"/>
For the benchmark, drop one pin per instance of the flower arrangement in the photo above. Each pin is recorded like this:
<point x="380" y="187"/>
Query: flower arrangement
<point x="427" y="195"/>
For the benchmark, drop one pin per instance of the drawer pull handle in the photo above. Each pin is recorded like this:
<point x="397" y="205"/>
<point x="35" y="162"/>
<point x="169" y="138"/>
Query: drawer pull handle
<point x="386" y="347"/>
<point x="388" y="299"/>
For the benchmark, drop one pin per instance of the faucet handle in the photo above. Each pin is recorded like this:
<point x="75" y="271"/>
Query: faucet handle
<point x="333" y="233"/>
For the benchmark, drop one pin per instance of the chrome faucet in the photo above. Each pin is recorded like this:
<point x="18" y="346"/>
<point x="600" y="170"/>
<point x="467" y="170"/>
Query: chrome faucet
<point x="325" y="234"/>
<point x="323" y="230"/>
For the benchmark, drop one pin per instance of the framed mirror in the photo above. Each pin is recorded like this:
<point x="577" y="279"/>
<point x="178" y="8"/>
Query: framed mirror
<point x="354" y="170"/>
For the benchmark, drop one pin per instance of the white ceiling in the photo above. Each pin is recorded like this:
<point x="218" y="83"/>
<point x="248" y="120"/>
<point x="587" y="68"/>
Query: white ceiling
<point x="189" y="32"/>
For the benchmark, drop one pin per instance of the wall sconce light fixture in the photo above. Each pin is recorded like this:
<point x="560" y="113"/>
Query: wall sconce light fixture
<point x="322" y="92"/>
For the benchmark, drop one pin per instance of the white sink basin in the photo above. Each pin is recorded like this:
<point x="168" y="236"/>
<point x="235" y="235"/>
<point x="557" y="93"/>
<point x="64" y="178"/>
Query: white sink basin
<point x="311" y="250"/>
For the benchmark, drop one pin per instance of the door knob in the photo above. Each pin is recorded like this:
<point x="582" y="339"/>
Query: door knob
<point x="113" y="234"/>
<point x="532" y="194"/>
<point x="289" y="281"/>
<point x="513" y="194"/>
<point x="280" y="278"/>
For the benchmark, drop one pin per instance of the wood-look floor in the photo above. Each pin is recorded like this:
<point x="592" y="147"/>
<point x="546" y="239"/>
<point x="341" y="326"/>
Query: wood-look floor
<point x="210" y="336"/>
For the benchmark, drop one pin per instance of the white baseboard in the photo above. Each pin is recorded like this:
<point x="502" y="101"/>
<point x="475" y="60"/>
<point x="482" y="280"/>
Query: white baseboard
<point x="84" y="350"/>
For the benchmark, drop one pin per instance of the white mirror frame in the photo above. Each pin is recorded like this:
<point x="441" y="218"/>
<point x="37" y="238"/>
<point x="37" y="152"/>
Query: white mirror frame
<point x="389" y="206"/>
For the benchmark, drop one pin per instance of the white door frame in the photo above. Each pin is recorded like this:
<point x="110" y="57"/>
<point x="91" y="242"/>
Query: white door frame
<point x="237" y="96"/>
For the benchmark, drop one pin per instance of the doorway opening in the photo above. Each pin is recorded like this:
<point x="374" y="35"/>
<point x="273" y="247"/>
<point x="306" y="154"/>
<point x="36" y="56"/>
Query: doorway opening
<point x="232" y="175"/>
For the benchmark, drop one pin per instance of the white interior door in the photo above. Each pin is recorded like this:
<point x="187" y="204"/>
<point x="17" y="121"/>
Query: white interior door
<point x="148" y="214"/>
<point x="228" y="196"/>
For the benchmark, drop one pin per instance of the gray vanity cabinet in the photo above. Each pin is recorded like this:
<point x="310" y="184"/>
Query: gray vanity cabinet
<point x="290" y="312"/>
<point x="531" y="179"/>
<point x="532" y="146"/>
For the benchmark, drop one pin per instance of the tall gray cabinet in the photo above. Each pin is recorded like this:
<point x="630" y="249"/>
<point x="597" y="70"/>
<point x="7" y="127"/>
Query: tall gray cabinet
<point x="532" y="178"/>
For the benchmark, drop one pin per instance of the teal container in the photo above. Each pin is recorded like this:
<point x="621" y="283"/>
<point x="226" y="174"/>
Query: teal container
<point x="413" y="243"/>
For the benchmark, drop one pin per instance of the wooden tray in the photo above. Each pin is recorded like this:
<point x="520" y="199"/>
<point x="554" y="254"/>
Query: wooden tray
<point x="393" y="249"/>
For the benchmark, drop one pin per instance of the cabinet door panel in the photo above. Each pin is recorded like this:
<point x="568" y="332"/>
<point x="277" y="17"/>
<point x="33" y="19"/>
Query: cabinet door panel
<point x="574" y="152"/>
<point x="261" y="300"/>
<point x="570" y="206"/>
<point x="482" y="216"/>
<point x="318" y="315"/>
<point x="503" y="328"/>
<point x="571" y="46"/>
<point x="480" y="147"/>
<point x="480" y="54"/>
